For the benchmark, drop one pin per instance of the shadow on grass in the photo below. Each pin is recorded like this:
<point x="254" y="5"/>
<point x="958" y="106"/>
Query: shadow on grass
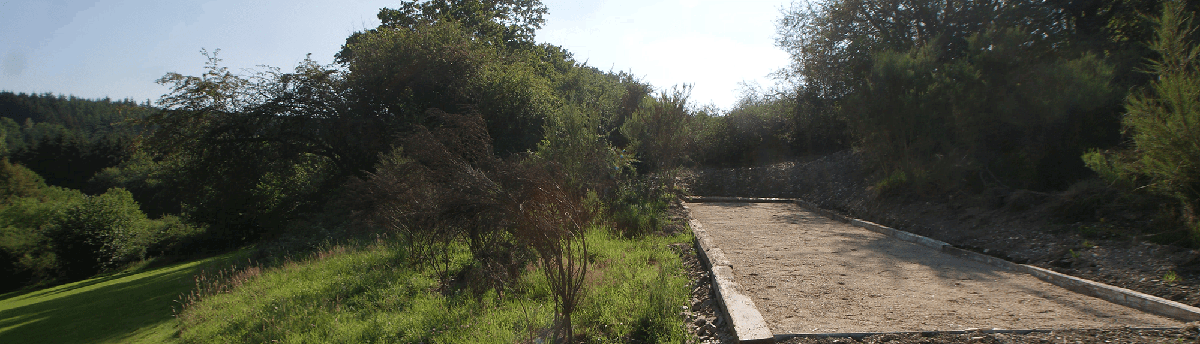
<point x="109" y="308"/>
<point x="62" y="288"/>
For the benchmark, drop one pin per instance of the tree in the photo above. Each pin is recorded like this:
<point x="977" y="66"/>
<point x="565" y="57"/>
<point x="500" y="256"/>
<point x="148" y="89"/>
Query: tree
<point x="1163" y="119"/>
<point x="247" y="152"/>
<point x="951" y="94"/>
<point x="98" y="233"/>
<point x="16" y="181"/>
<point x="508" y="22"/>
<point x="657" y="131"/>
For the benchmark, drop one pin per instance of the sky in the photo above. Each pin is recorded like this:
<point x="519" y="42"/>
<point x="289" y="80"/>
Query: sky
<point x="118" y="48"/>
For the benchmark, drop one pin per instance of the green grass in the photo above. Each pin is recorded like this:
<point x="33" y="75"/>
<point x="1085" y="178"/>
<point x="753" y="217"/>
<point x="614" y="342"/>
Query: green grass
<point x="351" y="295"/>
<point x="372" y="294"/>
<point x="127" y="307"/>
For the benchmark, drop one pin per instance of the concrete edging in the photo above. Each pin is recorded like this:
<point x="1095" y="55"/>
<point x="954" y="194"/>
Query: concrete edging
<point x="1121" y="296"/>
<point x="749" y="326"/>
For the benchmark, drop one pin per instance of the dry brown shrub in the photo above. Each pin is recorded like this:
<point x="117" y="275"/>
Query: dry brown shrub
<point x="444" y="185"/>
<point x="552" y="218"/>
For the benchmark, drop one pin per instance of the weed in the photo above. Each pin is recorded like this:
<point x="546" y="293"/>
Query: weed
<point x="892" y="182"/>
<point x="1089" y="231"/>
<point x="1074" y="255"/>
<point x="211" y="283"/>
<point x="1170" y="277"/>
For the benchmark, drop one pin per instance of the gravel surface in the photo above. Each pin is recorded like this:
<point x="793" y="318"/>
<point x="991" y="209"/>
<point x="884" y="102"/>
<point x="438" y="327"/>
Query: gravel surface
<point x="810" y="274"/>
<point x="1072" y="336"/>
<point x="1016" y="225"/>
<point x="1012" y="224"/>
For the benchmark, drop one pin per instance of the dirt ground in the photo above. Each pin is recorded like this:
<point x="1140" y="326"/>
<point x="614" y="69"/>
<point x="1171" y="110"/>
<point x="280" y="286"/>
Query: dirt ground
<point x="810" y="274"/>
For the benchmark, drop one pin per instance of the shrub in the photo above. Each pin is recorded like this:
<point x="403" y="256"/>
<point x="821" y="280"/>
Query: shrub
<point x="552" y="218"/>
<point x="640" y="206"/>
<point x="1161" y="119"/>
<point x="759" y="129"/>
<point x="26" y="254"/>
<point x="658" y="130"/>
<point x="99" y="232"/>
<point x="170" y="235"/>
<point x="964" y="122"/>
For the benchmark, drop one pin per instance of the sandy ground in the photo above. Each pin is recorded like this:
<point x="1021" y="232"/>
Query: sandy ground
<point x="809" y="274"/>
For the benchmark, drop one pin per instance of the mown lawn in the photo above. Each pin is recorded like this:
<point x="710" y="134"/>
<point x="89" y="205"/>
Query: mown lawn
<point x="126" y="307"/>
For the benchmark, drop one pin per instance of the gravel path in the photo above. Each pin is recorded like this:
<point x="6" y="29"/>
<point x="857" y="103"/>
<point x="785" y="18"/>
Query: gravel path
<point x="810" y="274"/>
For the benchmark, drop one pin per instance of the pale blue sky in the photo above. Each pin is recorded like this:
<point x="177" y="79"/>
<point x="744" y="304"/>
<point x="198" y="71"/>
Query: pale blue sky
<point x="118" y="48"/>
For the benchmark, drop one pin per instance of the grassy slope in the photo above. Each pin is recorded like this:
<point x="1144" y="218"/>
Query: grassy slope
<point x="365" y="295"/>
<point x="127" y="307"/>
<point x="373" y="295"/>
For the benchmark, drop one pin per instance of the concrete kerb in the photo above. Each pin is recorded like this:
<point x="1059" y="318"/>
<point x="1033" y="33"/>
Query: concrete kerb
<point x="1129" y="298"/>
<point x="749" y="326"/>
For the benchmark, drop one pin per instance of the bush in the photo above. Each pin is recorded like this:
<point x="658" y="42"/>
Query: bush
<point x="754" y="132"/>
<point x="640" y="206"/>
<point x="170" y="235"/>
<point x="963" y="123"/>
<point x="658" y="131"/>
<point x="26" y="254"/>
<point x="1162" y="120"/>
<point x="99" y="232"/>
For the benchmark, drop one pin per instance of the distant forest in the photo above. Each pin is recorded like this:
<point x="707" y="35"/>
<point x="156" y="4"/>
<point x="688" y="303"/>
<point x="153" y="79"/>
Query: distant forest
<point x="67" y="140"/>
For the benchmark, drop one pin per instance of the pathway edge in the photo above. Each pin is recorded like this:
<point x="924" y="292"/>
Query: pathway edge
<point x="749" y="326"/>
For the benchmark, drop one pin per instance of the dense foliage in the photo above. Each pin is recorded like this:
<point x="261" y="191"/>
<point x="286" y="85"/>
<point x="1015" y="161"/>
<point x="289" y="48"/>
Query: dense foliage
<point x="1162" y="120"/>
<point x="59" y="223"/>
<point x="445" y="127"/>
<point x="67" y="140"/>
<point x="51" y="234"/>
<point x="959" y="97"/>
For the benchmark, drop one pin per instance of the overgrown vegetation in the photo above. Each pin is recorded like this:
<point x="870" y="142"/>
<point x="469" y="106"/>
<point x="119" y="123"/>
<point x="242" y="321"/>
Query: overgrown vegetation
<point x="1162" y="120"/>
<point x="374" y="293"/>
<point x="965" y="97"/>
<point x="51" y="234"/>
<point x="501" y="171"/>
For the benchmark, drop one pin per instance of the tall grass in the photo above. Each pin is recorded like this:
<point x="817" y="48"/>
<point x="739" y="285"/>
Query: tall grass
<point x="373" y="294"/>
